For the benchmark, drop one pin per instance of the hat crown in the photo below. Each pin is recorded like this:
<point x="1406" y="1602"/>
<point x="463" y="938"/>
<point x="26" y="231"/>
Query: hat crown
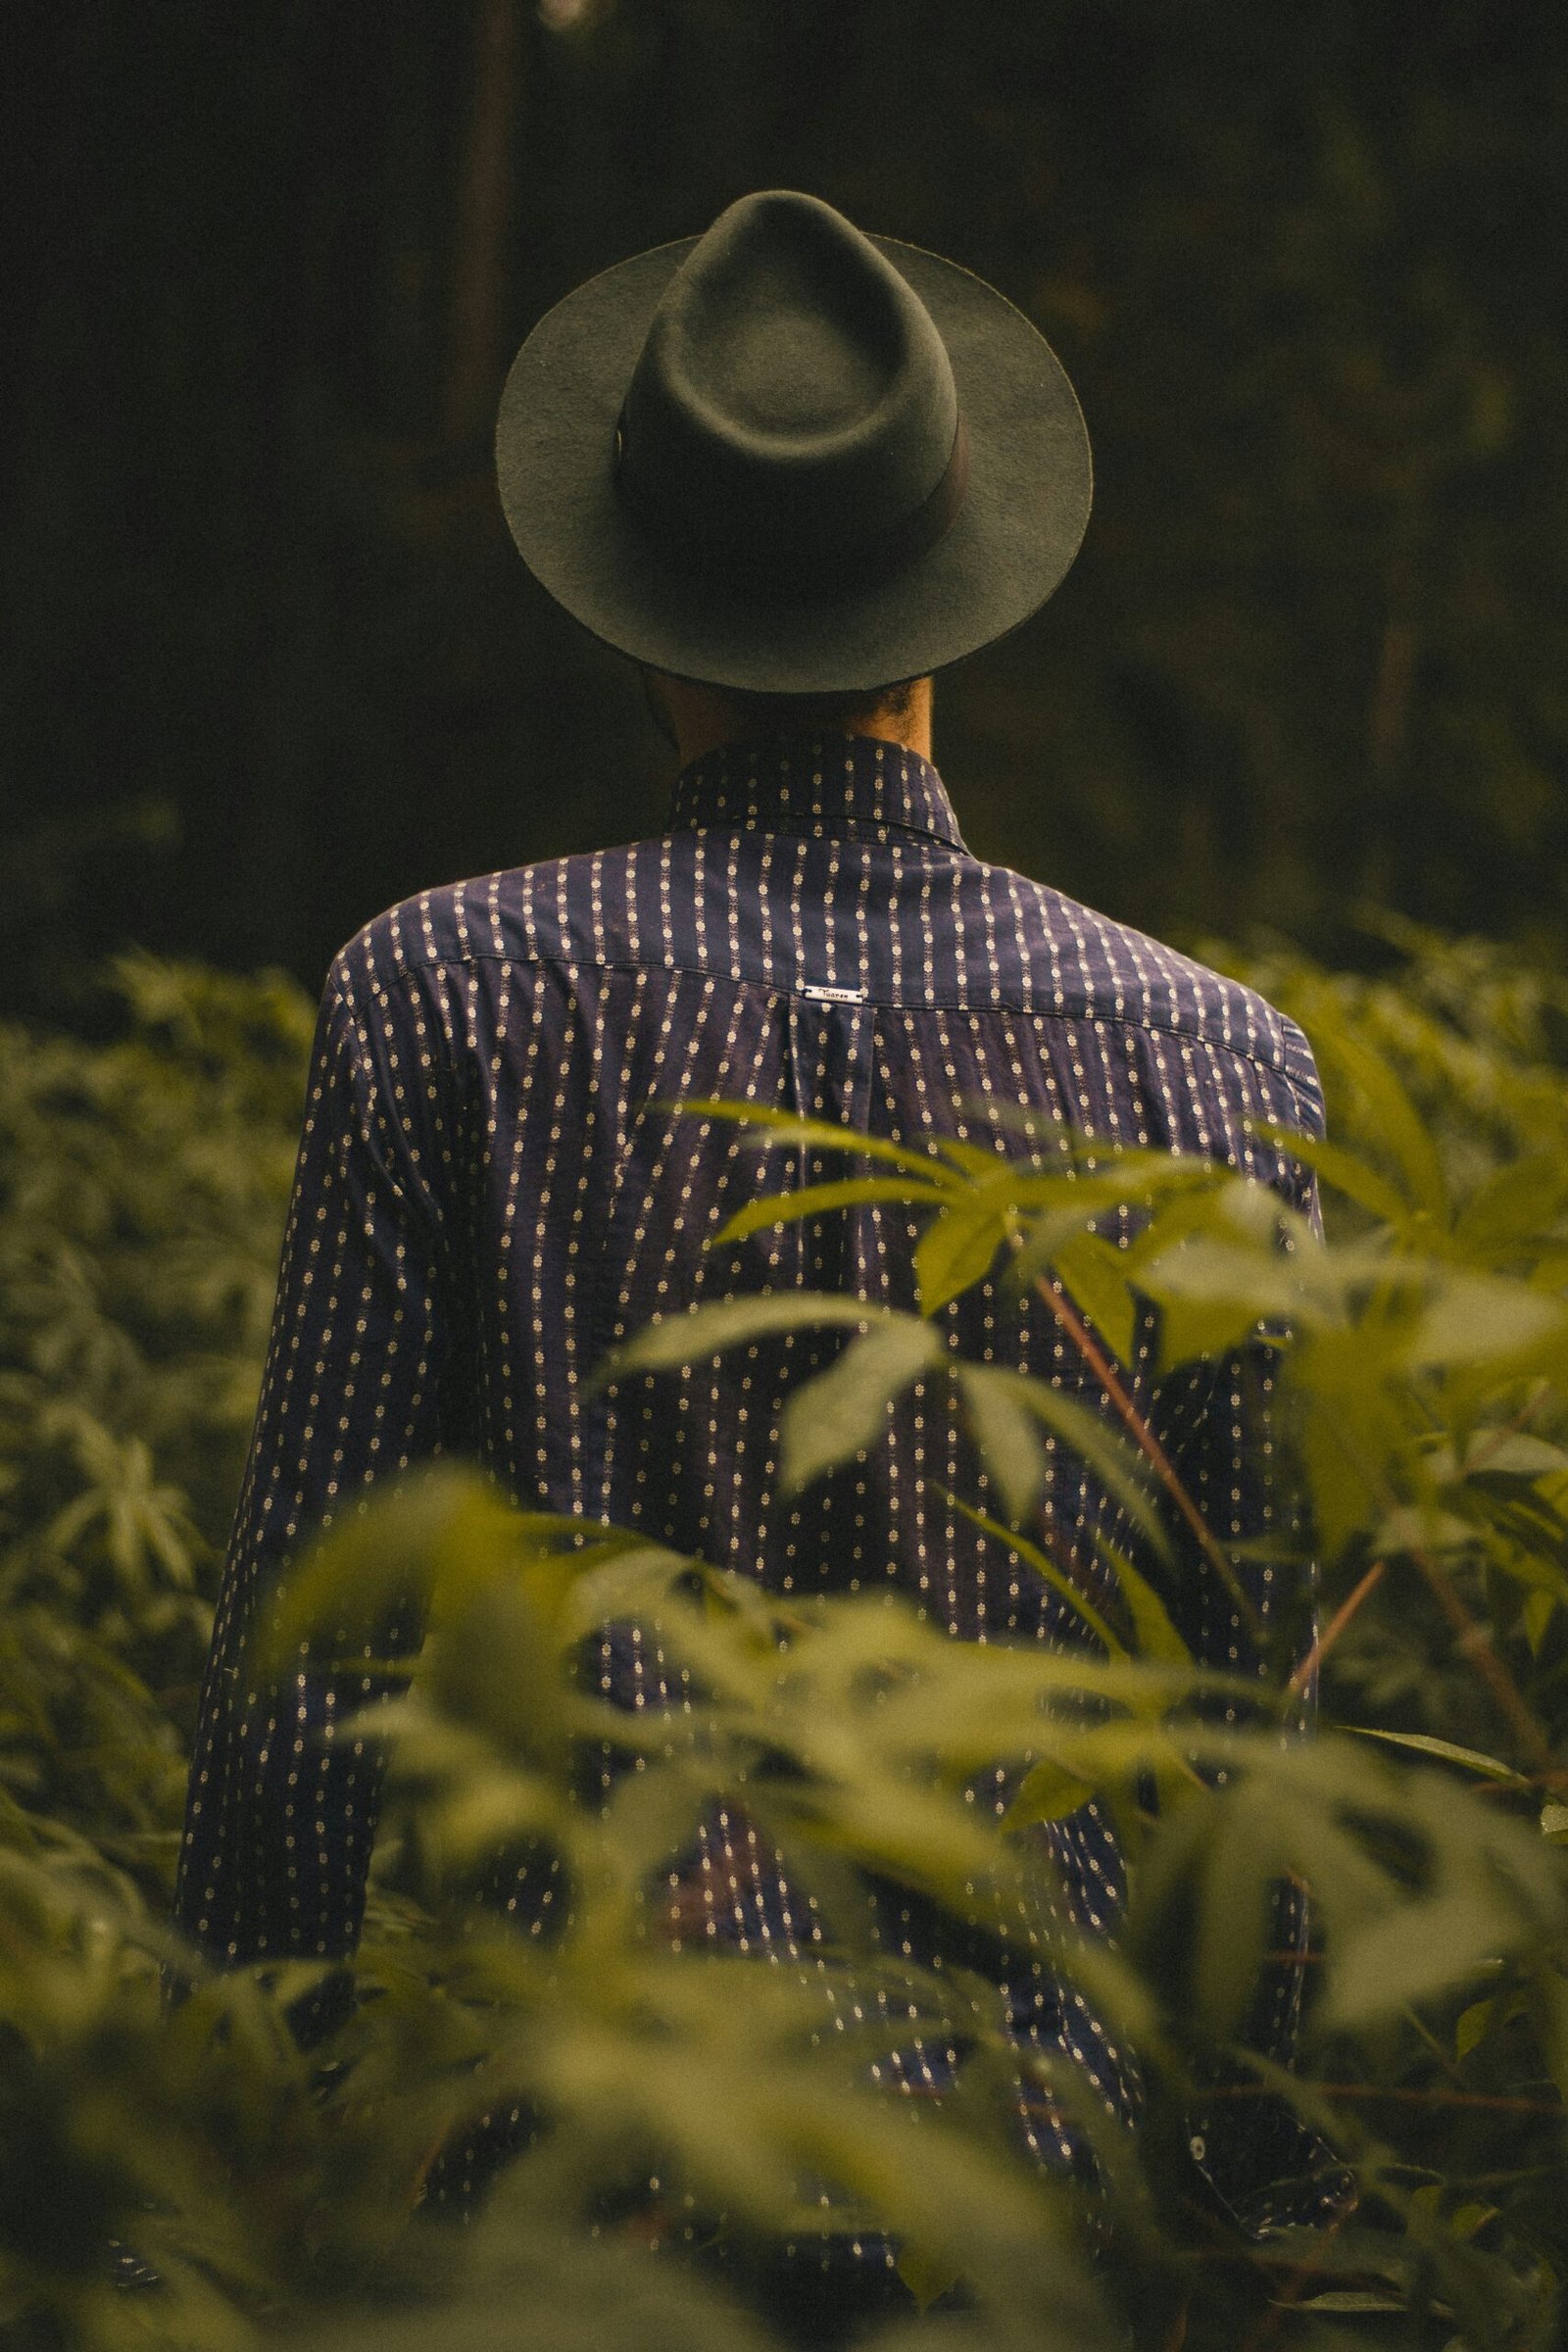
<point x="789" y="459"/>
<point x="793" y="403"/>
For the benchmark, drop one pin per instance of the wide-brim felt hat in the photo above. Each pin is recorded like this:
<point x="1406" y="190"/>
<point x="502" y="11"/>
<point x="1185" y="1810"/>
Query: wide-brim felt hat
<point x="787" y="458"/>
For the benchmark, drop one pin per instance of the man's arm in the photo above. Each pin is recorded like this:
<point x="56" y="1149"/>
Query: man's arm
<point x="280" y="1811"/>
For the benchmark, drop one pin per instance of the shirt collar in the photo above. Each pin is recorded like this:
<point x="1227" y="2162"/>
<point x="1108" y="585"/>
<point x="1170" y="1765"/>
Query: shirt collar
<point x="797" y="784"/>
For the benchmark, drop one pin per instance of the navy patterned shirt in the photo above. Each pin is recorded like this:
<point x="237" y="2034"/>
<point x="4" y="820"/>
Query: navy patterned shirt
<point x="496" y="1185"/>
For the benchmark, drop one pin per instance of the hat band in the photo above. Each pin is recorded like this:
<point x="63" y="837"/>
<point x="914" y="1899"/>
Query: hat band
<point x="781" y="564"/>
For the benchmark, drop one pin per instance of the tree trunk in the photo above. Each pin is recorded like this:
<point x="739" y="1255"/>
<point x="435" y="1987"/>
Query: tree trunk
<point x="483" y="216"/>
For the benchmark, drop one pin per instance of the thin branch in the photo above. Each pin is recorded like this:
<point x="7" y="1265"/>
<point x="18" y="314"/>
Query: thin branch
<point x="1508" y="1429"/>
<point x="1471" y="1639"/>
<point x="1334" y="1628"/>
<point x="1148" y="1445"/>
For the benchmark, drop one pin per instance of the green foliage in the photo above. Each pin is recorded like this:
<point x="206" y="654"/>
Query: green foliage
<point x="142" y="1184"/>
<point x="279" y="2193"/>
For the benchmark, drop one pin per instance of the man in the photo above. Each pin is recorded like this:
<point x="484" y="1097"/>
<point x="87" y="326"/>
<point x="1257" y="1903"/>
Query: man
<point x="779" y="467"/>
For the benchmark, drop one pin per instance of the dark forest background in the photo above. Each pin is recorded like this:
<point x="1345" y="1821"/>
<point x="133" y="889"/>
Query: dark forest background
<point x="269" y="660"/>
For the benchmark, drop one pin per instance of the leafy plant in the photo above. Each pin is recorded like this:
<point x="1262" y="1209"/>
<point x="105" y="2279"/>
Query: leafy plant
<point x="142" y="1186"/>
<point x="276" y="2147"/>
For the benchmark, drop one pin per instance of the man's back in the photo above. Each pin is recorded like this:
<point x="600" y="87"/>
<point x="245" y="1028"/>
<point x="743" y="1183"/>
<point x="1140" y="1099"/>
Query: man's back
<point x="498" y="1184"/>
<point x="809" y="936"/>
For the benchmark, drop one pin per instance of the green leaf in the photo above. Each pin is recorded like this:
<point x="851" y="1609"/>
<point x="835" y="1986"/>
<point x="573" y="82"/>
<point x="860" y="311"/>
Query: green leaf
<point x="816" y="1200"/>
<point x="1342" y="2298"/>
<point x="443" y="1527"/>
<point x="1102" y="1448"/>
<point x="1006" y="1435"/>
<point x="1417" y="1951"/>
<point x="845" y="1408"/>
<point x="1213" y="1294"/>
<point x="1042" y="1566"/>
<point x="1497" y="1453"/>
<point x="1355" y="1177"/>
<point x="956" y="1251"/>
<point x="927" y="2276"/>
<point x="1391" y="1115"/>
<point x="631" y="1583"/>
<point x="1095" y="1273"/>
<point x="1438" y="1533"/>
<point x="1066" y="1206"/>
<point x="1245" y="1843"/>
<point x="1472" y="2027"/>
<point x="1049" y="1791"/>
<point x="707" y="1330"/>
<point x="1354" y="1428"/>
<point x="1554" y="1822"/>
<point x="778" y="1126"/>
<point x="981" y="1162"/>
<point x="1489" y="1768"/>
<point x="1518" y="1204"/>
<point x="1157" y="1636"/>
<point x="1473" y="2216"/>
<point x="1096" y="1441"/>
<point x="1536" y="1614"/>
<point x="1478" y="1317"/>
<point x="906" y="1832"/>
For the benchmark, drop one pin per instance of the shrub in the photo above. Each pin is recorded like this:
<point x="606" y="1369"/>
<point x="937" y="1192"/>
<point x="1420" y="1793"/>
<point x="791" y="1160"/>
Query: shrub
<point x="282" y="2190"/>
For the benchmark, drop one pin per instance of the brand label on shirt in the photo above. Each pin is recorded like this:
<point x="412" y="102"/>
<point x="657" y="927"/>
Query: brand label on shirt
<point x="832" y="996"/>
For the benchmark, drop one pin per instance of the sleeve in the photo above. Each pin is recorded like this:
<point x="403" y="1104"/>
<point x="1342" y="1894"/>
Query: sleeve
<point x="1232" y="1450"/>
<point x="281" y="1811"/>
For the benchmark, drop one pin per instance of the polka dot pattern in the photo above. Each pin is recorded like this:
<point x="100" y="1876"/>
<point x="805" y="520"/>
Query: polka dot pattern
<point x="496" y="1185"/>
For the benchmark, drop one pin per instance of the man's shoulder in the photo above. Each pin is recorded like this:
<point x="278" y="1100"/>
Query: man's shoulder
<point x="1108" y="971"/>
<point x="610" y="906"/>
<point x="555" y="911"/>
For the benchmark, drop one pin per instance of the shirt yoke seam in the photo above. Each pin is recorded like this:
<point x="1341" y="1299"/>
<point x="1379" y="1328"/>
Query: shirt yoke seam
<point x="408" y="968"/>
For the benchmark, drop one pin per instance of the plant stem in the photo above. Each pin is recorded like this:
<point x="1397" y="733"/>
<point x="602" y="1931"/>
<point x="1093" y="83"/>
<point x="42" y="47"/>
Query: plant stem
<point x="1471" y="1639"/>
<point x="1334" y="1628"/>
<point x="1500" y="1437"/>
<point x="1148" y="1445"/>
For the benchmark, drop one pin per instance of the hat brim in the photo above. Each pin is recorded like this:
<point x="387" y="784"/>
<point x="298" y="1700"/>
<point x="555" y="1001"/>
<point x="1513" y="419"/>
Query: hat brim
<point x="1023" y="520"/>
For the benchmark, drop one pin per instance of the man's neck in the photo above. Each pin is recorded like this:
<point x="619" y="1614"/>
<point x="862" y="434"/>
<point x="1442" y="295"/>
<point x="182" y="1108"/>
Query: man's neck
<point x="703" y="719"/>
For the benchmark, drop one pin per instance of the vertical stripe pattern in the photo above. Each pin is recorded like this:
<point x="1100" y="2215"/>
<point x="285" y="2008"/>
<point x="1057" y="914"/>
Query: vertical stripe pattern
<point x="496" y="1184"/>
